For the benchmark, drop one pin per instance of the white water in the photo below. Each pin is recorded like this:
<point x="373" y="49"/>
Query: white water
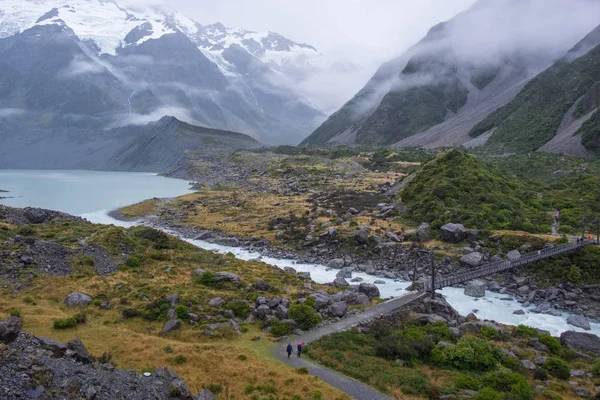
<point x="92" y="194"/>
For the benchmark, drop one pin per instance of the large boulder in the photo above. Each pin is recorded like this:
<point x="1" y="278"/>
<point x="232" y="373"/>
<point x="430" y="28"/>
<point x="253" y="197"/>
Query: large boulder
<point x="340" y="282"/>
<point x="424" y="232"/>
<point x="262" y="311"/>
<point x="216" y="302"/>
<point x="345" y="272"/>
<point x="77" y="299"/>
<point x="513" y="255"/>
<point x="580" y="341"/>
<point x="338" y="309"/>
<point x="579" y="321"/>
<point x="472" y="259"/>
<point x="475" y="288"/>
<point x="173" y="299"/>
<point x="355" y="298"/>
<point x="322" y="300"/>
<point x="369" y="289"/>
<point x="171" y="325"/>
<point x="262" y="285"/>
<point x="9" y="329"/>
<point x="281" y="312"/>
<point x="227" y="277"/>
<point x="78" y="351"/>
<point x="336" y="263"/>
<point x="453" y="233"/>
<point x="361" y="237"/>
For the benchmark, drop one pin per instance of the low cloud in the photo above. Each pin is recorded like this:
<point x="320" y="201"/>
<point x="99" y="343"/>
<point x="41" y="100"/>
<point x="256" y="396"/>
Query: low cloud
<point x="11" y="112"/>
<point x="143" y="119"/>
<point x="82" y="66"/>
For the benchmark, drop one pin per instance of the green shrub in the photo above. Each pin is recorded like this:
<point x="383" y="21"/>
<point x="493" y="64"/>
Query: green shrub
<point x="279" y="329"/>
<point x="574" y="275"/>
<point x="526" y="331"/>
<point x="207" y="279"/>
<point x="596" y="369"/>
<point x="464" y="381"/>
<point x="133" y="262"/>
<point x="129" y="313"/>
<point x="558" y="368"/>
<point x="522" y="390"/>
<point x="503" y="379"/>
<point x="469" y="354"/>
<point x="552" y="343"/>
<point x="65" y="323"/>
<point x="489" y="333"/>
<point x="157" y="310"/>
<point x="412" y="382"/>
<point x="182" y="312"/>
<point x="242" y="357"/>
<point x="80" y="318"/>
<point x="304" y="315"/>
<point x="178" y="360"/>
<point x="15" y="313"/>
<point x="540" y="374"/>
<point x="549" y="395"/>
<point x="302" y="370"/>
<point x="215" y="388"/>
<point x="241" y="309"/>
<point x="488" y="394"/>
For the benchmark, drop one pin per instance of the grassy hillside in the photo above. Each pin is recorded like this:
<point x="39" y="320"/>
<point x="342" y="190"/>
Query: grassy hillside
<point x="457" y="187"/>
<point x="154" y="265"/>
<point x="534" y="116"/>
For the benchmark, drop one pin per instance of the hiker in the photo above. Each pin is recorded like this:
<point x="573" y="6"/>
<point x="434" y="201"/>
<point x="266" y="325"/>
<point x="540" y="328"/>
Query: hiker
<point x="299" y="349"/>
<point x="289" y="349"/>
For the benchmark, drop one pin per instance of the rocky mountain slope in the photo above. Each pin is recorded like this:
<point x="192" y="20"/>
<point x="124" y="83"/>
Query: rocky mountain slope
<point x="73" y="63"/>
<point x="556" y="112"/>
<point x="462" y="70"/>
<point x="155" y="147"/>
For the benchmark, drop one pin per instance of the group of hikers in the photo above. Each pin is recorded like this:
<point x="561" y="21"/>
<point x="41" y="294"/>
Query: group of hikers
<point x="290" y="349"/>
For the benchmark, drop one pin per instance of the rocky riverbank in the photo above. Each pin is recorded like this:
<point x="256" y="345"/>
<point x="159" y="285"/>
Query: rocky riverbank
<point x="393" y="260"/>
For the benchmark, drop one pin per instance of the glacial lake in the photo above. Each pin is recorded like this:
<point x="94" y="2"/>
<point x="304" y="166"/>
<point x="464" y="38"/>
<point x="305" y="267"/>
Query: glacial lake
<point x="92" y="195"/>
<point x="84" y="192"/>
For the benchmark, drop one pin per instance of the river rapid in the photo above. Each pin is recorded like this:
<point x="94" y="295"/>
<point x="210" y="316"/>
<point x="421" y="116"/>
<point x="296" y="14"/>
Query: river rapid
<point x="93" y="195"/>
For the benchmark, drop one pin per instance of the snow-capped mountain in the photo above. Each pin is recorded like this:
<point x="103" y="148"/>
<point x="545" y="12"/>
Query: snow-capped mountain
<point x="113" y="66"/>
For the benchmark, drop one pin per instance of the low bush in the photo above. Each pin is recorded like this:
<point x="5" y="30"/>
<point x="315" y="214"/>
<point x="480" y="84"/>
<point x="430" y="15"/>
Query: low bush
<point x="488" y="394"/>
<point x="540" y="374"/>
<point x="553" y="343"/>
<point x="80" y="318"/>
<point x="596" y="369"/>
<point x="241" y="309"/>
<point x="489" y="333"/>
<point x="177" y="360"/>
<point x="304" y="315"/>
<point x="464" y="381"/>
<point x="558" y="368"/>
<point x="207" y="279"/>
<point x="469" y="354"/>
<point x="129" y="313"/>
<point x="182" y="312"/>
<point x="65" y="323"/>
<point x="279" y="329"/>
<point x="15" y="313"/>
<point x="133" y="262"/>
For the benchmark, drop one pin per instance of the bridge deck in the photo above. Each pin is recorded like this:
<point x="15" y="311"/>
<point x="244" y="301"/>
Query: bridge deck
<point x="501" y="266"/>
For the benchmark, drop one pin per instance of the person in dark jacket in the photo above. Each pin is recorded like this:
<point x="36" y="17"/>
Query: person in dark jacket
<point x="289" y="349"/>
<point x="299" y="349"/>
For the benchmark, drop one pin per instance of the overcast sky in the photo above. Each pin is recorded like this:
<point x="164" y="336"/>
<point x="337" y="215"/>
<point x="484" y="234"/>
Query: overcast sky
<point x="365" y="32"/>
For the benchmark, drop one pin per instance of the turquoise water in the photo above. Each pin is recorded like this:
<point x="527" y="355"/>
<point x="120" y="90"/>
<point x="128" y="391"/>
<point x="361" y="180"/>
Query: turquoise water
<point x="84" y="192"/>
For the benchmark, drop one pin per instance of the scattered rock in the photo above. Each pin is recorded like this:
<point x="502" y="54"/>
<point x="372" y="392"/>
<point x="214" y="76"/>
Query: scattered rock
<point x="336" y="263"/>
<point x="79" y="352"/>
<point x="216" y="302"/>
<point x="475" y="288"/>
<point x="472" y="259"/>
<point x="262" y="285"/>
<point x="338" y="309"/>
<point x="581" y="392"/>
<point x="227" y="277"/>
<point x="513" y="255"/>
<point x="77" y="299"/>
<point x="9" y="329"/>
<point x="340" y="282"/>
<point x="205" y="395"/>
<point x="424" y="232"/>
<point x="369" y="289"/>
<point x="519" y="312"/>
<point x="528" y="365"/>
<point x="453" y="233"/>
<point x="579" y="321"/>
<point x="172" y="325"/>
<point x="172" y="299"/>
<point x="345" y="272"/>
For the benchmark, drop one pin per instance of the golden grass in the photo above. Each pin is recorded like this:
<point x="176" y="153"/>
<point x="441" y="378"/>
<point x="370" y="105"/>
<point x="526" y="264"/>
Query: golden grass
<point x="136" y="344"/>
<point x="142" y="209"/>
